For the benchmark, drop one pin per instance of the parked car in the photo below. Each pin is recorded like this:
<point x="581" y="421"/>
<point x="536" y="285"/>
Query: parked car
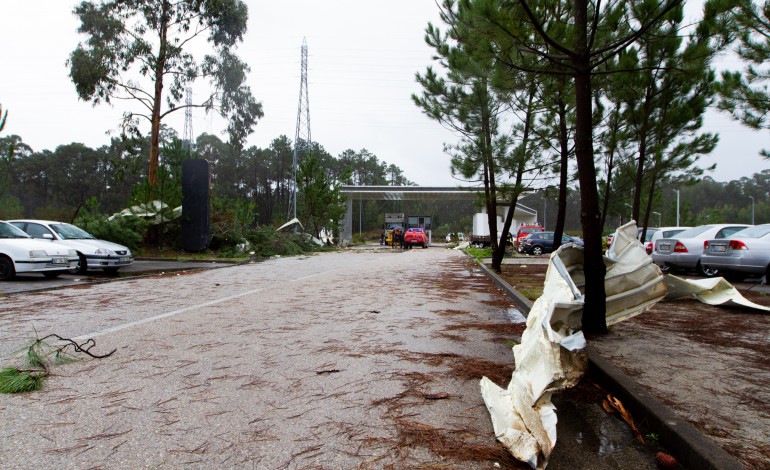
<point x="523" y="231"/>
<point x="416" y="236"/>
<point x="92" y="253"/>
<point x="19" y="253"/>
<point x="742" y="254"/>
<point x="542" y="242"/>
<point x="449" y="237"/>
<point x="683" y="251"/>
<point x="662" y="232"/>
<point x="460" y="237"/>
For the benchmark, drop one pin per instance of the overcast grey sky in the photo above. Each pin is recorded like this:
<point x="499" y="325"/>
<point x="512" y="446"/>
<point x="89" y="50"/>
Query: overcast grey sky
<point x="361" y="64"/>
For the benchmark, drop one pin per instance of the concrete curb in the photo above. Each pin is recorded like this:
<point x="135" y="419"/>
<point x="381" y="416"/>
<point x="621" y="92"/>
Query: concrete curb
<point x="685" y="441"/>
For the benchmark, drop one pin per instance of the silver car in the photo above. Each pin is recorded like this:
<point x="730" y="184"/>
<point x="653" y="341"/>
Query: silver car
<point x="742" y="254"/>
<point x="683" y="252"/>
<point x="93" y="253"/>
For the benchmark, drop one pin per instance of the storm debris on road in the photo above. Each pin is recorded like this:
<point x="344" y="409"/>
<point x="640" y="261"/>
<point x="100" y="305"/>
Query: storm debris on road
<point x="711" y="291"/>
<point x="38" y="360"/>
<point x="551" y="356"/>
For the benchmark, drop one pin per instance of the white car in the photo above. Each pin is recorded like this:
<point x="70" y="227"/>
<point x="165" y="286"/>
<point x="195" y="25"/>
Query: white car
<point x="662" y="232"/>
<point x="92" y="253"/>
<point x="682" y="252"/>
<point x="19" y="253"/>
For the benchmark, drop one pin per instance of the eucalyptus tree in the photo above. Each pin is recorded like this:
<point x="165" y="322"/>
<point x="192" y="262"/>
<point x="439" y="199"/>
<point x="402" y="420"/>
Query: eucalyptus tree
<point x="745" y="94"/>
<point x="141" y="51"/>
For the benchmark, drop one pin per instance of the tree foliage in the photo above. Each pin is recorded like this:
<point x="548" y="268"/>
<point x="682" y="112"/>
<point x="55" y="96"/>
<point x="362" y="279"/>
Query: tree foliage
<point x="140" y="51"/>
<point x="745" y="94"/>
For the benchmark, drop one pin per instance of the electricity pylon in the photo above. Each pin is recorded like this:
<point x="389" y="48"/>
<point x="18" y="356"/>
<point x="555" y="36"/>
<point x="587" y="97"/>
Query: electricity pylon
<point x="302" y="140"/>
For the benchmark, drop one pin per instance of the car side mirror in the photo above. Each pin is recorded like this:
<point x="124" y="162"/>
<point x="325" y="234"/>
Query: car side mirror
<point x="47" y="236"/>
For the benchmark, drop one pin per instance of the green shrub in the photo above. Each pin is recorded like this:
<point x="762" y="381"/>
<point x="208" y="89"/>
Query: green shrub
<point x="127" y="231"/>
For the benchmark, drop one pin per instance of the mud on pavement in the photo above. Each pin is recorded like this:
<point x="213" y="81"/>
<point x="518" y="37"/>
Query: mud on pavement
<point x="342" y="360"/>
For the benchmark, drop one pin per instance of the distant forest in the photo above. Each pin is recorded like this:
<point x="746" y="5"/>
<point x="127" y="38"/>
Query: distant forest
<point x="54" y="184"/>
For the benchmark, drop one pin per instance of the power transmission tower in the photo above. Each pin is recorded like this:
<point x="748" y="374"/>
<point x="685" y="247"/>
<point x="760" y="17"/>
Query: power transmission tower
<point x="302" y="140"/>
<point x="188" y="130"/>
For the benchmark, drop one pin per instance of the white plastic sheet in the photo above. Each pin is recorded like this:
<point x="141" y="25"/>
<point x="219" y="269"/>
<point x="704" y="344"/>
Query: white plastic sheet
<point x="551" y="356"/>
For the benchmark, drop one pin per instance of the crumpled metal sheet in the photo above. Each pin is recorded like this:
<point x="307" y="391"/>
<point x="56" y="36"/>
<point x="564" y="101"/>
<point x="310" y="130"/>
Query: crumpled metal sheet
<point x="551" y="356"/>
<point x="711" y="291"/>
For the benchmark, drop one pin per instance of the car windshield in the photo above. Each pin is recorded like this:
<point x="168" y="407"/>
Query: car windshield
<point x="70" y="232"/>
<point x="9" y="231"/>
<point x="757" y="231"/>
<point x="693" y="232"/>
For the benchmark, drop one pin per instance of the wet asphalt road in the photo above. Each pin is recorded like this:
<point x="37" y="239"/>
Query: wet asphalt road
<point x="27" y="282"/>
<point x="317" y="361"/>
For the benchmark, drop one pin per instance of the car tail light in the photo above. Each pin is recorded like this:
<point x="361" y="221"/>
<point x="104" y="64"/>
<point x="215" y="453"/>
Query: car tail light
<point x="680" y="248"/>
<point x="648" y="248"/>
<point x="738" y="245"/>
<point x="705" y="245"/>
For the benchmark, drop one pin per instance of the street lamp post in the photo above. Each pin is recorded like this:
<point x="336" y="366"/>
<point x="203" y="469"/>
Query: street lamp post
<point x="677" y="207"/>
<point x="752" y="210"/>
<point x="659" y="222"/>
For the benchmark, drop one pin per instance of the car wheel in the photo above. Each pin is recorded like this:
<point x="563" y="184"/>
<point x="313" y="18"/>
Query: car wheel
<point x="7" y="271"/>
<point x="706" y="272"/>
<point x="52" y="274"/>
<point x="537" y="250"/>
<point x="81" y="267"/>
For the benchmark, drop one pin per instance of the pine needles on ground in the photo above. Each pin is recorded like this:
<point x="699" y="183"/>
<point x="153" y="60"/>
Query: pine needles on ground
<point x="13" y="380"/>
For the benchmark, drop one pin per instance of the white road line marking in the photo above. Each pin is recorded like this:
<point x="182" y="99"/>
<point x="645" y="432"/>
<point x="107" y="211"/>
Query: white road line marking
<point x="204" y="304"/>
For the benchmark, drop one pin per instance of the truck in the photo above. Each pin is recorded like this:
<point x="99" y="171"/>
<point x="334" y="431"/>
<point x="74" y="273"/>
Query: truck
<point x="480" y="235"/>
<point x="392" y="221"/>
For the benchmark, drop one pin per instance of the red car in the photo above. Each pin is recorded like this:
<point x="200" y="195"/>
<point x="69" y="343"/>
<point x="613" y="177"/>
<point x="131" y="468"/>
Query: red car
<point x="522" y="233"/>
<point x="416" y="236"/>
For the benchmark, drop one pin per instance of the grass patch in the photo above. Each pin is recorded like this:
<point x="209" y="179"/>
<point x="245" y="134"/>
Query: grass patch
<point x="479" y="253"/>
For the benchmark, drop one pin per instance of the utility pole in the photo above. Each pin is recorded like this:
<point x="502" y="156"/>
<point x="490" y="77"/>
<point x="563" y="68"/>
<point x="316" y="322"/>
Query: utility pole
<point x="677" y="207"/>
<point x="302" y="140"/>
<point x="752" y="210"/>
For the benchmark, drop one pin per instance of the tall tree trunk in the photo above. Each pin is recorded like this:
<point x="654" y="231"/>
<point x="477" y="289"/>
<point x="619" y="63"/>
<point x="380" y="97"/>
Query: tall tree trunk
<point x="499" y="252"/>
<point x="160" y="64"/>
<point x="489" y="175"/>
<point x="595" y="308"/>
<point x="614" y="123"/>
<point x="639" y="180"/>
<point x="650" y="194"/>
<point x="564" y="154"/>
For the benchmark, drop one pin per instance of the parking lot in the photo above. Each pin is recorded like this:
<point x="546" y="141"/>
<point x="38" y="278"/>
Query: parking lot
<point x="26" y="282"/>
